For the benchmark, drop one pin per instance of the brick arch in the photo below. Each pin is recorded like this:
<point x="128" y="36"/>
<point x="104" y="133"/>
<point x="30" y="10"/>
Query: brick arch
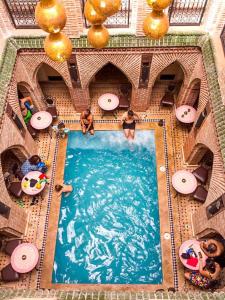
<point x="18" y="150"/>
<point x="163" y="67"/>
<point x="31" y="92"/>
<point x="89" y="64"/>
<point x="102" y="66"/>
<point x="57" y="68"/>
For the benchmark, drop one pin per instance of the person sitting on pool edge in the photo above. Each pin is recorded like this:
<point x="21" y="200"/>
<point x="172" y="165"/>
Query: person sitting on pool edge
<point x="129" y="119"/>
<point x="67" y="189"/>
<point x="212" y="248"/>
<point x="34" y="163"/>
<point x="86" y="121"/>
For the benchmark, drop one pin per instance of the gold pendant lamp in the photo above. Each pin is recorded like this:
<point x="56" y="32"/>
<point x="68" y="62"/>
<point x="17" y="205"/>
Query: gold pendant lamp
<point x="58" y="46"/>
<point x="159" y="4"/>
<point x="50" y="15"/>
<point x="116" y="5"/>
<point x="103" y="7"/>
<point x="91" y="15"/>
<point x="156" y="24"/>
<point x="98" y="36"/>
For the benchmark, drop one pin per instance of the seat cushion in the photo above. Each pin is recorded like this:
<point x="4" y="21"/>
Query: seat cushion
<point x="8" y="274"/>
<point x="123" y="102"/>
<point x="11" y="245"/>
<point x="200" y="194"/>
<point x="201" y="174"/>
<point x="167" y="99"/>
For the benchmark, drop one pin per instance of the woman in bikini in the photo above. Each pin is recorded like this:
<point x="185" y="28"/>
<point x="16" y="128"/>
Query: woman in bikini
<point x="129" y="122"/>
<point x="86" y="121"/>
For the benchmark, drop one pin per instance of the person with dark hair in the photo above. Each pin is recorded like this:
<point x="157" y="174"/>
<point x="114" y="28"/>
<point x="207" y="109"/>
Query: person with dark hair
<point x="61" y="130"/>
<point x="67" y="189"/>
<point x="212" y="247"/>
<point x="129" y="119"/>
<point x="86" y="121"/>
<point x="207" y="276"/>
<point x="34" y="163"/>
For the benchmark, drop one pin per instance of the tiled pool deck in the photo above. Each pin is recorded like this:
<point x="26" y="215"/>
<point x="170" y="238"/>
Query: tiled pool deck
<point x="173" y="136"/>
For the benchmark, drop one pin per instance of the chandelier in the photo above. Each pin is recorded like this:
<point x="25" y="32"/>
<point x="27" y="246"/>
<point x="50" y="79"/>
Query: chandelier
<point x="96" y="12"/>
<point x="156" y="24"/>
<point x="50" y="15"/>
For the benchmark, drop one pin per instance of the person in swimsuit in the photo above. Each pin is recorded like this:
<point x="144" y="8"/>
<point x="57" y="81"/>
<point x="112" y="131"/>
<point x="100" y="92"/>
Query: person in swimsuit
<point x="67" y="189"/>
<point x="207" y="276"/>
<point x="128" y="122"/>
<point x="212" y="248"/>
<point x="86" y="121"/>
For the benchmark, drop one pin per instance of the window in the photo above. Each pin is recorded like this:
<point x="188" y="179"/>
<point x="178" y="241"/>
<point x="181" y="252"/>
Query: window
<point x="167" y="77"/>
<point x="119" y="20"/>
<point x="187" y="12"/>
<point x="222" y="36"/>
<point x="22" y="12"/>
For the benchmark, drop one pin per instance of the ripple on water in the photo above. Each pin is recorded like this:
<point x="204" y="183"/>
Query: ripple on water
<point x="109" y="225"/>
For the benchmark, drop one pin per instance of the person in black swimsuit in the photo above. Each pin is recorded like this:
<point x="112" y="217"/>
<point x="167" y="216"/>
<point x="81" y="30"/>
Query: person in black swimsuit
<point x="129" y="122"/>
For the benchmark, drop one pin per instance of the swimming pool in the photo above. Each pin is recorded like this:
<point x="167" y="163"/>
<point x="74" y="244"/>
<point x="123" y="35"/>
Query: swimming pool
<point x="109" y="229"/>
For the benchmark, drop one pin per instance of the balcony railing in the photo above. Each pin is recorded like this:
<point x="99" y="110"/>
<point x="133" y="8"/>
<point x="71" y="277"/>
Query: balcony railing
<point x="222" y="36"/>
<point x="22" y="12"/>
<point x="119" y="20"/>
<point x="181" y="12"/>
<point x="187" y="12"/>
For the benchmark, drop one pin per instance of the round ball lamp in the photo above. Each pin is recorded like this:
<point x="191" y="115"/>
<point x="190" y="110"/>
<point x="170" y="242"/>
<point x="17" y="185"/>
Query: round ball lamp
<point x="103" y="7"/>
<point x="116" y="5"/>
<point x="159" y="4"/>
<point x="58" y="47"/>
<point x="156" y="24"/>
<point x="50" y="15"/>
<point x="92" y="16"/>
<point x="98" y="36"/>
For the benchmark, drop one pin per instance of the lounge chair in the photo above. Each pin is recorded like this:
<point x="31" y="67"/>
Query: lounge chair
<point x="200" y="194"/>
<point x="8" y="274"/>
<point x="124" y="102"/>
<point x="167" y="99"/>
<point x="15" y="189"/>
<point x="201" y="174"/>
<point x="10" y="245"/>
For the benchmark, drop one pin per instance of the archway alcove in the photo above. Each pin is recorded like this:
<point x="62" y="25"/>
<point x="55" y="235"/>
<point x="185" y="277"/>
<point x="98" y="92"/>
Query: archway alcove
<point x="193" y="93"/>
<point x="170" y="78"/>
<point x="53" y="84"/>
<point x="109" y="79"/>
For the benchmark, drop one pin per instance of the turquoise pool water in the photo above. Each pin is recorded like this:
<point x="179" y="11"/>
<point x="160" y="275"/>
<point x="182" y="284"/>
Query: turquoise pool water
<point x="108" y="230"/>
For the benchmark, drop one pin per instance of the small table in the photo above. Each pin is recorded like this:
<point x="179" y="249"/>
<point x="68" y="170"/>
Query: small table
<point x="41" y="120"/>
<point x="184" y="182"/>
<point x="192" y="247"/>
<point x="26" y="181"/>
<point x="108" y="103"/>
<point x="24" y="258"/>
<point x="186" y="114"/>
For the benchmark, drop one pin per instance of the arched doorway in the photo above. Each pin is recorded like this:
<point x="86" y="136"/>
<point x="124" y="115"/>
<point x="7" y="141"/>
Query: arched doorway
<point x="168" y="80"/>
<point x="109" y="79"/>
<point x="52" y="84"/>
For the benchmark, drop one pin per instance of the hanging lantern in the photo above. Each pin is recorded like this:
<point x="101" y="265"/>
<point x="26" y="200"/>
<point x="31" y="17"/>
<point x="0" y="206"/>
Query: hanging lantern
<point x="156" y="24"/>
<point x="159" y="4"/>
<point x="98" y="36"/>
<point x="116" y="6"/>
<point x="58" y="46"/>
<point x="92" y="16"/>
<point x="103" y="7"/>
<point x="50" y="15"/>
